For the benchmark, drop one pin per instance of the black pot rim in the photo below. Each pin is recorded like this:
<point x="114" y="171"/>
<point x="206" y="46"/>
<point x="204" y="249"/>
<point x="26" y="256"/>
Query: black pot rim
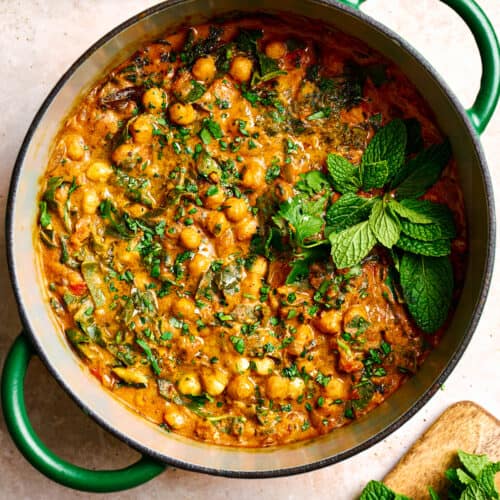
<point x="417" y="405"/>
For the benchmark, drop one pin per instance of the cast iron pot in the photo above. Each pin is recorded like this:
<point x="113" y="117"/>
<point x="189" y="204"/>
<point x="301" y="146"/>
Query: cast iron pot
<point x="159" y="448"/>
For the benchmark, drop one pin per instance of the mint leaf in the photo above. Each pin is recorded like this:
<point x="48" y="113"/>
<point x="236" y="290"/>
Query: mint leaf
<point x="427" y="284"/>
<point x="436" y="248"/>
<point x="474" y="492"/>
<point x="384" y="225"/>
<point x="414" y="142"/>
<point x="375" y="490"/>
<point x="348" y="210"/>
<point x="388" y="144"/>
<point x="343" y="173"/>
<point x="375" y="174"/>
<point x="409" y="213"/>
<point x="352" y="244"/>
<point x="473" y="463"/>
<point x="486" y="479"/>
<point x="463" y="477"/>
<point x="441" y="226"/>
<point x="422" y="172"/>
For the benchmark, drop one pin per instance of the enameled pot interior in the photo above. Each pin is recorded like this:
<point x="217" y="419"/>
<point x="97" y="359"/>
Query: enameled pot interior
<point x="145" y="436"/>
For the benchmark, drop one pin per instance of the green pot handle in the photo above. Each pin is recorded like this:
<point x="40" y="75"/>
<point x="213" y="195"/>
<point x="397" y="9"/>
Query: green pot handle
<point x="485" y="103"/>
<point x="39" y="455"/>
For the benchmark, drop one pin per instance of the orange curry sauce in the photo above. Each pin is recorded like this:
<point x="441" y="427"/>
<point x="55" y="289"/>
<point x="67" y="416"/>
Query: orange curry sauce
<point x="161" y="184"/>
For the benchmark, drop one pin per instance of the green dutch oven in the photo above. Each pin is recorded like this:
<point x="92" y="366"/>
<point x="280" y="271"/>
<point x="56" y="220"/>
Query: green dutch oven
<point x="158" y="449"/>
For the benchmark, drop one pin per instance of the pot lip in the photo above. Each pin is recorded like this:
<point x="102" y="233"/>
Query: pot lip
<point x="417" y="405"/>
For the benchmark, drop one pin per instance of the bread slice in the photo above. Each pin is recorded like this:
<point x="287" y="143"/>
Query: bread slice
<point x="463" y="426"/>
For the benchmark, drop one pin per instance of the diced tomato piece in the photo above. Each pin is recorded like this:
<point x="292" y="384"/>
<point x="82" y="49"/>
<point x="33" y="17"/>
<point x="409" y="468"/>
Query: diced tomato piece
<point x="78" y="288"/>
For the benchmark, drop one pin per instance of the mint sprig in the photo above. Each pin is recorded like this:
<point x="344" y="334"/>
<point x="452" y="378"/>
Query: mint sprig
<point x="473" y="480"/>
<point x="379" y="205"/>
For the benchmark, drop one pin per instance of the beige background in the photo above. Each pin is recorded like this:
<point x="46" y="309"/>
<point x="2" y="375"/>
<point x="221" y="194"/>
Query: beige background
<point x="38" y="41"/>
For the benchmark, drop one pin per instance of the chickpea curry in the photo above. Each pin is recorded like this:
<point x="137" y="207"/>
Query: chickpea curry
<point x="252" y="231"/>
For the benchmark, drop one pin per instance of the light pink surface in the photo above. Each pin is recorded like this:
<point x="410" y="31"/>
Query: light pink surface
<point x="39" y="41"/>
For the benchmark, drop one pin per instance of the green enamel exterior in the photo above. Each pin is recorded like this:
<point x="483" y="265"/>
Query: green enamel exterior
<point x="16" y="364"/>
<point x="30" y="445"/>
<point x="487" y="42"/>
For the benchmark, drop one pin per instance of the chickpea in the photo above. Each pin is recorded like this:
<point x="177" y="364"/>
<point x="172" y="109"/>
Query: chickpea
<point x="275" y="49"/>
<point x="264" y="366"/>
<point x="215" y="383"/>
<point x="302" y="337"/>
<point x="241" y="68"/>
<point x="204" y="69"/>
<point x="213" y="198"/>
<point x="142" y="129"/>
<point x="125" y="154"/>
<point x="240" y="387"/>
<point x="245" y="229"/>
<point x="296" y="387"/>
<point x="199" y="264"/>
<point x="283" y="190"/>
<point x="90" y="202"/>
<point x="254" y="177"/>
<point x="184" y="308"/>
<point x="99" y="171"/>
<point x="336" y="388"/>
<point x="277" y="387"/>
<point x="240" y="364"/>
<point x="154" y="100"/>
<point x="174" y="418"/>
<point x="306" y="366"/>
<point x="252" y="284"/>
<point x="330" y="321"/>
<point x="236" y="209"/>
<point x="182" y="114"/>
<point x="259" y="266"/>
<point x="189" y="384"/>
<point x="190" y="238"/>
<point x="75" y="146"/>
<point x="216" y="222"/>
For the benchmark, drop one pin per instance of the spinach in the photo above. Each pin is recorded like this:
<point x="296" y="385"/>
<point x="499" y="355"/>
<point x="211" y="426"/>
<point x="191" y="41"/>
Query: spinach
<point x="268" y="69"/>
<point x="246" y="40"/>
<point x="45" y="219"/>
<point x="196" y="92"/>
<point x="149" y="355"/>
<point x="93" y="279"/>
<point x="193" y="50"/>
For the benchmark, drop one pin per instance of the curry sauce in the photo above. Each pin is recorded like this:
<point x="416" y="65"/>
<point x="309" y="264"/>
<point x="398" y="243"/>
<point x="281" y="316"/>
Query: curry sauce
<point x="165" y="258"/>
